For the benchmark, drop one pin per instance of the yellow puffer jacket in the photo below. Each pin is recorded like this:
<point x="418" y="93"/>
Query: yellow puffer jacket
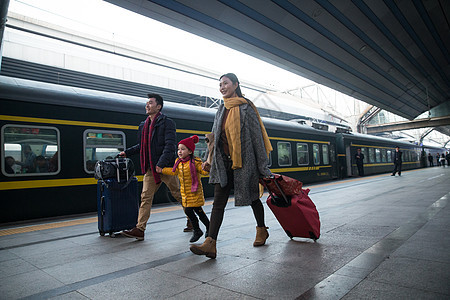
<point x="190" y="199"/>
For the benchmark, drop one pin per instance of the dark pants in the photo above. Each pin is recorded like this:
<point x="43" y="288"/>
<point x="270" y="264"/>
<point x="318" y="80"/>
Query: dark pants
<point x="397" y="167"/>
<point x="220" y="201"/>
<point x="360" y="169"/>
<point x="191" y="211"/>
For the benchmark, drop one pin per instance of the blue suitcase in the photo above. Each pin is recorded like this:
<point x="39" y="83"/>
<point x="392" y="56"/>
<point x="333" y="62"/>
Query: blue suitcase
<point x="117" y="205"/>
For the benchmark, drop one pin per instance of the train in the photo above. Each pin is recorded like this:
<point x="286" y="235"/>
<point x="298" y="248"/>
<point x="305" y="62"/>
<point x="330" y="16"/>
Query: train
<point x="52" y="135"/>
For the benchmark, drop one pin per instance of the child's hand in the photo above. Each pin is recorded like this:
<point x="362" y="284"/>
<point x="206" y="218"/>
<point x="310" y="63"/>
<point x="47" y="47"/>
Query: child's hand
<point x="206" y="166"/>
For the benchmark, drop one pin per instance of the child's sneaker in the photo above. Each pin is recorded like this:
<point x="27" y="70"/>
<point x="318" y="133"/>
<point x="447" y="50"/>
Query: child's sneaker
<point x="196" y="236"/>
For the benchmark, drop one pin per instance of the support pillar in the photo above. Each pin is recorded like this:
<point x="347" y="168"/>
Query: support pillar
<point x="4" y="4"/>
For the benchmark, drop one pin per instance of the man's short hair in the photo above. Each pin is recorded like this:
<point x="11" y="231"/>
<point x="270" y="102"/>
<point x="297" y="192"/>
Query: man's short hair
<point x="159" y="99"/>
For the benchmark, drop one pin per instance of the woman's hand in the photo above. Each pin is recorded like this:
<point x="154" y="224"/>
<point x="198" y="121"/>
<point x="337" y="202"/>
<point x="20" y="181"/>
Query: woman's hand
<point x="158" y="169"/>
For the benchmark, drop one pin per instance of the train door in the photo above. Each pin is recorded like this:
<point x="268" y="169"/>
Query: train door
<point x="334" y="169"/>
<point x="348" y="160"/>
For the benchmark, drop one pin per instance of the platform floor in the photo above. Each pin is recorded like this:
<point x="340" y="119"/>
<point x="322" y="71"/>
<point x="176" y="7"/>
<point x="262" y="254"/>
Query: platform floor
<point x="383" y="237"/>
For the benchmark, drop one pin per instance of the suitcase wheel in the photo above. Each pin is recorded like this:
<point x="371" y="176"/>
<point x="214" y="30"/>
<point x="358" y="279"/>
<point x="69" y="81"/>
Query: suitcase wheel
<point x="112" y="234"/>
<point x="313" y="236"/>
<point x="101" y="233"/>
<point x="289" y="234"/>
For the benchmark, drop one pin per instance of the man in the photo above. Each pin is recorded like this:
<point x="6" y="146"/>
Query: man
<point x="430" y="159"/>
<point x="359" y="158"/>
<point x="157" y="146"/>
<point x="397" y="162"/>
<point x="447" y="157"/>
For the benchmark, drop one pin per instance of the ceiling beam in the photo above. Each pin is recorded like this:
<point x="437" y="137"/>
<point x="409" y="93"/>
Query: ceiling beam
<point x="405" y="125"/>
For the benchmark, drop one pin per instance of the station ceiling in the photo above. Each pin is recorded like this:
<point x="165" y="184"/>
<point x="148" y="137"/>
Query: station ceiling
<point x="393" y="54"/>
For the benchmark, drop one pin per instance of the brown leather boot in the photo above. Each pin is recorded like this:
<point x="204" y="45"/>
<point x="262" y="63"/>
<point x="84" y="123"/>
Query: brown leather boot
<point x="261" y="236"/>
<point x="189" y="227"/>
<point x="208" y="248"/>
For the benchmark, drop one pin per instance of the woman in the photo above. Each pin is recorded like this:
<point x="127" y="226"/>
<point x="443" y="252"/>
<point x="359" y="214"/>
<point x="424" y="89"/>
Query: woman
<point x="240" y="158"/>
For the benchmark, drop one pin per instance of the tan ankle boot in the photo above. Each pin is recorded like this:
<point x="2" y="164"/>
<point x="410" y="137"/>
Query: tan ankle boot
<point x="208" y="248"/>
<point x="261" y="236"/>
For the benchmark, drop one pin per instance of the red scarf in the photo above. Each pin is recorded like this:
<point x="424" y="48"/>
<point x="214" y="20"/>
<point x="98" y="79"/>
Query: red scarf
<point x="146" y="153"/>
<point x="194" y="178"/>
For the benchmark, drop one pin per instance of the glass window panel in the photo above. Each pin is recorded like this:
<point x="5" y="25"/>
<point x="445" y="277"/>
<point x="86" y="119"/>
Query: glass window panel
<point x="366" y="156"/>
<point x="101" y="144"/>
<point x="316" y="154"/>
<point x="378" y="155"/>
<point x="389" y="155"/>
<point x="302" y="154"/>
<point x="325" y="155"/>
<point x="284" y="154"/>
<point x="200" y="148"/>
<point x="270" y="159"/>
<point x="371" y="155"/>
<point x="30" y="150"/>
<point x="383" y="155"/>
<point x="332" y="154"/>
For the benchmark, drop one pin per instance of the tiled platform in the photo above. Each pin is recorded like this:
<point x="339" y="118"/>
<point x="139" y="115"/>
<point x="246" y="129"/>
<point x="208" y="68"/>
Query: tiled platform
<point x="382" y="237"/>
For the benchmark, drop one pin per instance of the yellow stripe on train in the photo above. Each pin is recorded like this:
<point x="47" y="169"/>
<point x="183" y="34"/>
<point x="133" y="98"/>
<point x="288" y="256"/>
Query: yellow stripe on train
<point x="46" y="183"/>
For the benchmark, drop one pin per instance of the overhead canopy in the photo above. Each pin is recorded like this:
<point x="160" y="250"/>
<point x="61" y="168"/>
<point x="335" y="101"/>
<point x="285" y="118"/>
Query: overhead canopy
<point x="392" y="54"/>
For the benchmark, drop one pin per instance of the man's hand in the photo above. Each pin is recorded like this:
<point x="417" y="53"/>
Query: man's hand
<point x="122" y="154"/>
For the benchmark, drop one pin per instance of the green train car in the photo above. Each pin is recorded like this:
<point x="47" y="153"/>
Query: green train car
<point x="52" y="135"/>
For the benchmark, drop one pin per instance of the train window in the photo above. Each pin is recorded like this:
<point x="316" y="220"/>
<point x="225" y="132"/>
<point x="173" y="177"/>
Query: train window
<point x="316" y="154"/>
<point x="366" y="156"/>
<point x="270" y="159"/>
<point x="389" y="155"/>
<point x="371" y="155"/>
<point x="332" y="154"/>
<point x="378" y="155"/>
<point x="30" y="150"/>
<point x="101" y="144"/>
<point x="325" y="155"/>
<point x="383" y="155"/>
<point x="302" y="154"/>
<point x="284" y="154"/>
<point x="200" y="148"/>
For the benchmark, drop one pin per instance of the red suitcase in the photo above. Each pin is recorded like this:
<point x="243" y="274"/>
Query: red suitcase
<point x="297" y="214"/>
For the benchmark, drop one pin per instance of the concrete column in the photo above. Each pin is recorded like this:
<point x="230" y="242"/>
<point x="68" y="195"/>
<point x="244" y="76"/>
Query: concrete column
<point x="4" y="4"/>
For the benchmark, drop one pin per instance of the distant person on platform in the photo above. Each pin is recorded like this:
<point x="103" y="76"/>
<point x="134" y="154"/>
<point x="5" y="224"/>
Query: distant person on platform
<point x="442" y="159"/>
<point x="438" y="159"/>
<point x="447" y="157"/>
<point x="430" y="160"/>
<point x="157" y="146"/>
<point x="397" y="162"/>
<point x="359" y="158"/>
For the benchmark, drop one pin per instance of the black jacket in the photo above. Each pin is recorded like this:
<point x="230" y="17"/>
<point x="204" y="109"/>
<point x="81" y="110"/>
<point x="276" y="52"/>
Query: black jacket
<point x="163" y="142"/>
<point x="360" y="160"/>
<point x="398" y="157"/>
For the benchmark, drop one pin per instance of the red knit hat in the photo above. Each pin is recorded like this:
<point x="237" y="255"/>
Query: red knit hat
<point x="190" y="142"/>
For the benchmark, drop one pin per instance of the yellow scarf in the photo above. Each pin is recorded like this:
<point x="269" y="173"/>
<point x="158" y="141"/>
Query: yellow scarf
<point x="233" y="129"/>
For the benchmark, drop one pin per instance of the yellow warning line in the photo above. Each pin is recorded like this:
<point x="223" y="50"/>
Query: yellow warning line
<point x="61" y="224"/>
<point x="47" y="226"/>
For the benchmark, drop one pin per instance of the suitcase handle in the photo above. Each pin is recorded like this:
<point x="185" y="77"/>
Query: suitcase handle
<point x="120" y="188"/>
<point x="274" y="197"/>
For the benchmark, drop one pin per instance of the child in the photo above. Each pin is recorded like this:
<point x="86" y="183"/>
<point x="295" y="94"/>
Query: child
<point x="189" y="168"/>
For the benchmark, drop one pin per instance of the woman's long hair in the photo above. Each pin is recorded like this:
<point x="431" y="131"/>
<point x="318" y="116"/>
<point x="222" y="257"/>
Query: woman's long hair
<point x="234" y="79"/>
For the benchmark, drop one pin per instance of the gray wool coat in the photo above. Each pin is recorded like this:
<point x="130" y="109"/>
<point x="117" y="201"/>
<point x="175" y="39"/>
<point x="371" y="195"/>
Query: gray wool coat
<point x="254" y="157"/>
